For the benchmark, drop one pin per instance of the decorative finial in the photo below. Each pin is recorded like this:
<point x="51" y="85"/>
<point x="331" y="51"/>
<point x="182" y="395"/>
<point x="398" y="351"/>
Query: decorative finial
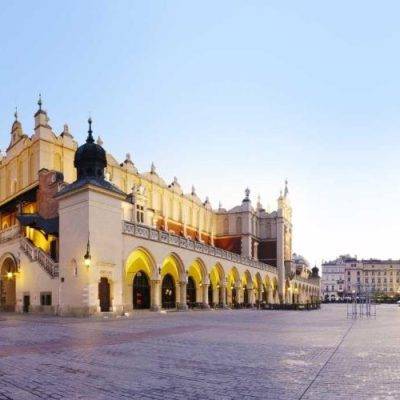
<point x="286" y="188"/>
<point x="90" y="136"/>
<point x="66" y="128"/>
<point x="153" y="168"/>
<point x="219" y="206"/>
<point x="193" y="190"/>
<point x="175" y="182"/>
<point x="128" y="157"/>
<point x="99" y="141"/>
<point x="247" y="193"/>
<point x="207" y="200"/>
<point x="40" y="102"/>
<point x="16" y="114"/>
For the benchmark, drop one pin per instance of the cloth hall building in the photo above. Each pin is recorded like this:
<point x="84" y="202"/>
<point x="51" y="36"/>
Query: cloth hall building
<point x="81" y="233"/>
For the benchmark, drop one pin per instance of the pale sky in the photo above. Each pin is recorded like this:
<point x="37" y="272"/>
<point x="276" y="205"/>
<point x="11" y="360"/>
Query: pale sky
<point x="229" y="94"/>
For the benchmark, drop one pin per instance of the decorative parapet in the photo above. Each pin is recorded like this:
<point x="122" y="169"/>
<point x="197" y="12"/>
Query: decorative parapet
<point x="9" y="233"/>
<point x="36" y="254"/>
<point x="309" y="281"/>
<point x="156" y="235"/>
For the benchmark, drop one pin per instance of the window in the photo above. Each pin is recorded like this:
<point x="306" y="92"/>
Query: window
<point x="139" y="214"/>
<point x="45" y="299"/>
<point x="239" y="225"/>
<point x="226" y="226"/>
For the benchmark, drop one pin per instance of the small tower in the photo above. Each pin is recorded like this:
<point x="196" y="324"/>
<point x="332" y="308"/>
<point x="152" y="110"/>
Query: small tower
<point x="16" y="131"/>
<point x="42" y="127"/>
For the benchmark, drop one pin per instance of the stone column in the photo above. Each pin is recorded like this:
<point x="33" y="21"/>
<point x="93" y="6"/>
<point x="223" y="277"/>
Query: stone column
<point x="270" y="298"/>
<point x="251" y="296"/>
<point x="239" y="293"/>
<point x="182" y="305"/>
<point x="215" y="298"/>
<point x="222" y="296"/>
<point x="155" y="295"/>
<point x="205" y="295"/>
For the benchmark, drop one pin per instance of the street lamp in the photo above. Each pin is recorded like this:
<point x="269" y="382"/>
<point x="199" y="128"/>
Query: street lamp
<point x="87" y="257"/>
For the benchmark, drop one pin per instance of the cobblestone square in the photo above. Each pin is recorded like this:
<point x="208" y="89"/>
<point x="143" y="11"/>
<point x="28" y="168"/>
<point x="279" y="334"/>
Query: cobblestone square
<point x="202" y="355"/>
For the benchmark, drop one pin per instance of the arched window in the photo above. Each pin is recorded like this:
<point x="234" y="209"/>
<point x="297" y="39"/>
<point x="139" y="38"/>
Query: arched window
<point x="239" y="225"/>
<point x="226" y="225"/>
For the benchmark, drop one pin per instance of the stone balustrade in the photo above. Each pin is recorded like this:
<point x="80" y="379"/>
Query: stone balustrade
<point x="9" y="233"/>
<point x="156" y="235"/>
<point x="37" y="254"/>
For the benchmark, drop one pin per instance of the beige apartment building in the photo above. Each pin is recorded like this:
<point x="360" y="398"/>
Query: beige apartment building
<point x="346" y="274"/>
<point x="82" y="233"/>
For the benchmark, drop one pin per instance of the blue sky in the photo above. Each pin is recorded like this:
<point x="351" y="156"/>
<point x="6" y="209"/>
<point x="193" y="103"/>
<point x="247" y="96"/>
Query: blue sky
<point x="229" y="94"/>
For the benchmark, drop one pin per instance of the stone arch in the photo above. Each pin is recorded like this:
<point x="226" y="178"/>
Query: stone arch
<point x="8" y="273"/>
<point x="173" y="264"/>
<point x="246" y="288"/>
<point x="198" y="272"/>
<point x="140" y="269"/>
<point x="258" y="287"/>
<point x="275" y="291"/>
<point x="216" y="288"/>
<point x="173" y="271"/>
<point x="232" y="287"/>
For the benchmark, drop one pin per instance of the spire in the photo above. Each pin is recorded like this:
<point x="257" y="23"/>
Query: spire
<point x="193" y="190"/>
<point x="16" y="114"/>
<point x="247" y="195"/>
<point x="286" y="188"/>
<point x="40" y="102"/>
<point x="90" y="136"/>
<point x="152" y="168"/>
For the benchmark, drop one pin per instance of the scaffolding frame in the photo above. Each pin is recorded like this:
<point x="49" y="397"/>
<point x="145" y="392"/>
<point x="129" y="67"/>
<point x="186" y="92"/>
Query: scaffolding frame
<point x="361" y="302"/>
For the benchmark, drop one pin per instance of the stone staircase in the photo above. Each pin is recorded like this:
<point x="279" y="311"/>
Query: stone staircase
<point x="36" y="254"/>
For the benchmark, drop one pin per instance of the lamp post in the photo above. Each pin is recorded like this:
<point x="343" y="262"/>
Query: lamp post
<point x="87" y="257"/>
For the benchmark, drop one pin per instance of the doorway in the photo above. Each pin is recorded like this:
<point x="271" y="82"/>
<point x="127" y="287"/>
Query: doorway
<point x="104" y="295"/>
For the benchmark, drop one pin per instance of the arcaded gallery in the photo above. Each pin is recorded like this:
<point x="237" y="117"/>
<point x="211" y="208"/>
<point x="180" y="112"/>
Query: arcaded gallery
<point x="82" y="233"/>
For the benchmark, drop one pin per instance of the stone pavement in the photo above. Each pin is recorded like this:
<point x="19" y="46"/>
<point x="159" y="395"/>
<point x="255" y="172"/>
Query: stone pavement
<point x="217" y="355"/>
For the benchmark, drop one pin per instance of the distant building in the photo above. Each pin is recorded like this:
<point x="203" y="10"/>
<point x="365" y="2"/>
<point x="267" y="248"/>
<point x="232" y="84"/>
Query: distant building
<point x="344" y="275"/>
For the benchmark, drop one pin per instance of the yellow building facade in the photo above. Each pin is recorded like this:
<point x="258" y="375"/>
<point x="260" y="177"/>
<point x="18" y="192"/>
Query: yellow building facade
<point x="150" y="244"/>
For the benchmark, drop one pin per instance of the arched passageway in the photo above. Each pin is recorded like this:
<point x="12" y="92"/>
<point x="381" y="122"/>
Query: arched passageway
<point x="191" y="292"/>
<point x="210" y="294"/>
<point x="139" y="271"/>
<point x="168" y="292"/>
<point x="8" y="296"/>
<point x="141" y="291"/>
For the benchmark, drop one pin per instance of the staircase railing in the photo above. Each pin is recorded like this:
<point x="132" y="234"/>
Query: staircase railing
<point x="37" y="254"/>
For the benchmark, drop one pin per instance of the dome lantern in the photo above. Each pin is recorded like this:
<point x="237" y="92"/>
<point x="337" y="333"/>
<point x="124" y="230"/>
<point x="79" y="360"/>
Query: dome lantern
<point x="90" y="158"/>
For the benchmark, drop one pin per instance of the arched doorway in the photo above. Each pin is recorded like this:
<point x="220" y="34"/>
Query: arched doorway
<point x="210" y="294"/>
<point x="8" y="295"/>
<point x="168" y="292"/>
<point x="246" y="296"/>
<point x="234" y="296"/>
<point x="191" y="292"/>
<point x="104" y="295"/>
<point x="141" y="291"/>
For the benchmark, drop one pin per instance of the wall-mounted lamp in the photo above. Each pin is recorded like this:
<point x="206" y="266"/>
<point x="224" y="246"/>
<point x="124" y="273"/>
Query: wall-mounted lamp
<point x="87" y="257"/>
<point x="9" y="275"/>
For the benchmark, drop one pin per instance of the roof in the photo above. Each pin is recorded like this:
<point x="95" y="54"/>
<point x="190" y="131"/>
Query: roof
<point x="101" y="183"/>
<point x="50" y="226"/>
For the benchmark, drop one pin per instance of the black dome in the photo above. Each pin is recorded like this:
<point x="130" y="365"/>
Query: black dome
<point x="90" y="158"/>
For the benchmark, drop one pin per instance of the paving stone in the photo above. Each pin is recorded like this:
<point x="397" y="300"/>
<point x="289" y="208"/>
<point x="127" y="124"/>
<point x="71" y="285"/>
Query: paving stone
<point x="217" y="355"/>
